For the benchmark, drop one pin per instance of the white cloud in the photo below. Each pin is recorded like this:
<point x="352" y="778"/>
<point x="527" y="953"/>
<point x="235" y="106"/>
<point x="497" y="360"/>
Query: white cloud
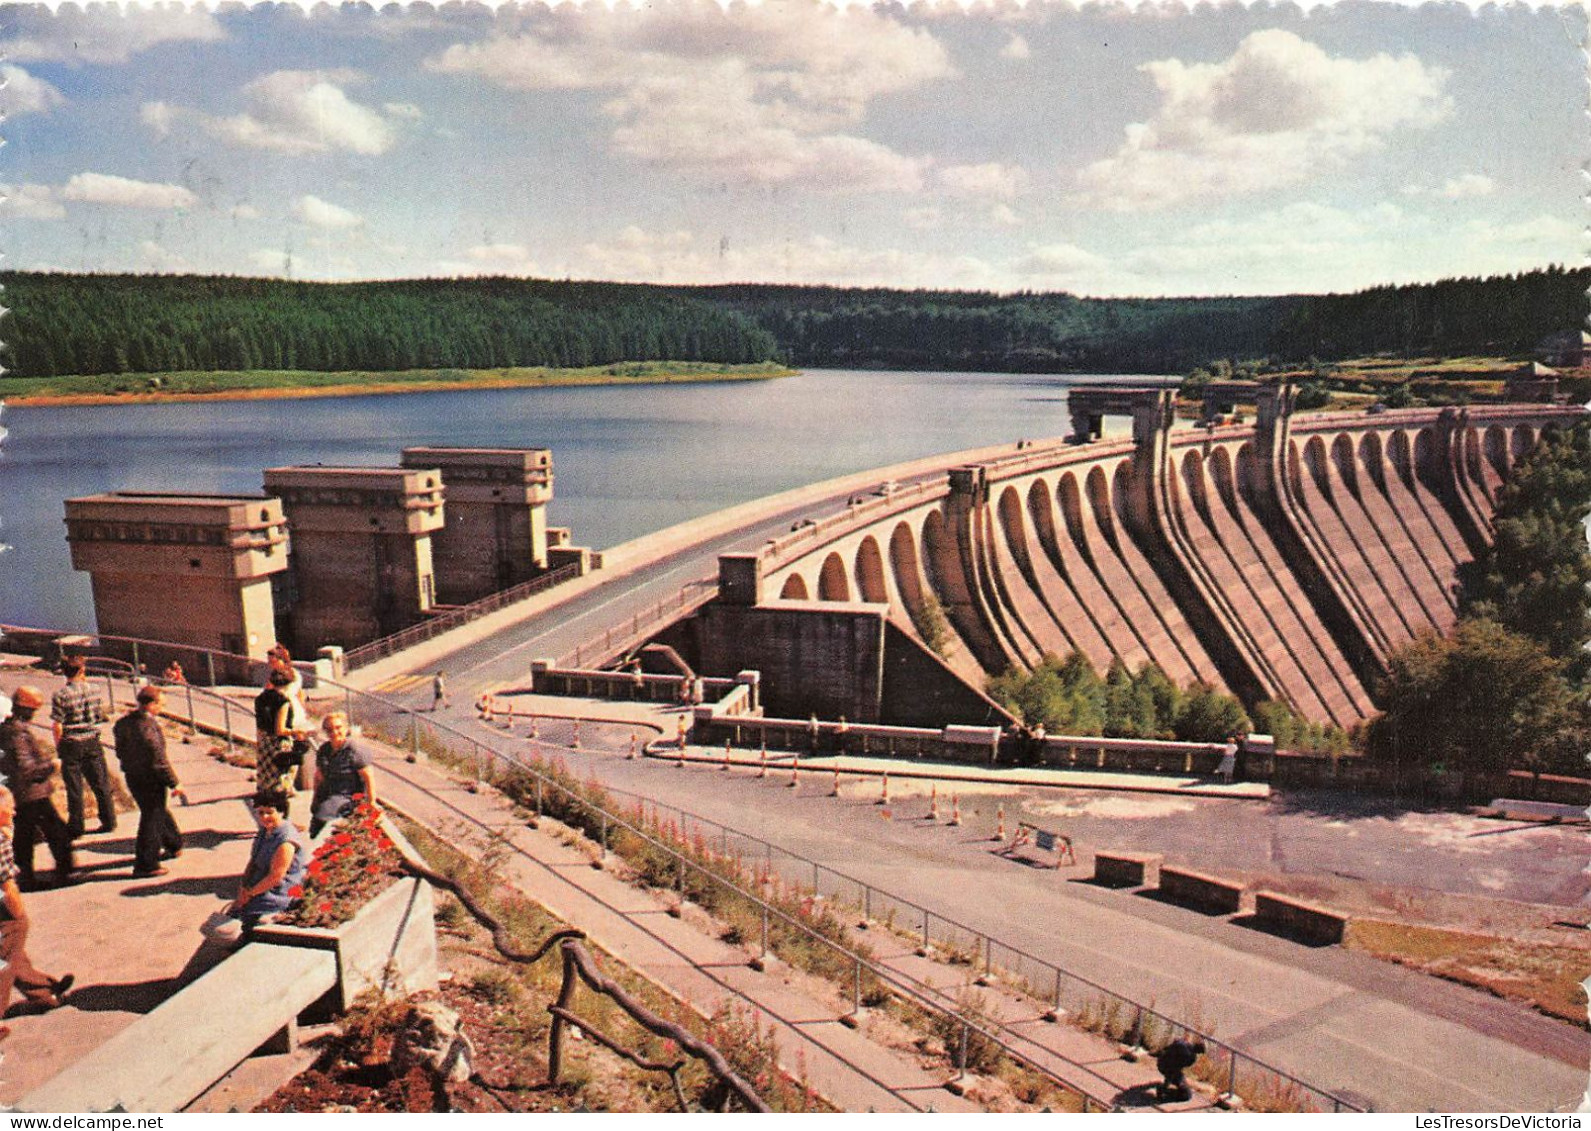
<point x="680" y="257"/>
<point x="271" y="261"/>
<point x="318" y="213"/>
<point x="1310" y="247"/>
<point x="160" y="258"/>
<point x="103" y="33"/>
<point x="923" y="219"/>
<point x="1278" y="111"/>
<point x="1016" y="48"/>
<point x="244" y="212"/>
<point x="406" y="110"/>
<point x="492" y="259"/>
<point x="294" y="112"/>
<point x="30" y="202"/>
<point x="1004" y="216"/>
<point x="27" y="94"/>
<point x="158" y="116"/>
<point x="1058" y="261"/>
<point x="990" y="179"/>
<point x="1462" y="187"/>
<point x="762" y="95"/>
<point x="123" y="192"/>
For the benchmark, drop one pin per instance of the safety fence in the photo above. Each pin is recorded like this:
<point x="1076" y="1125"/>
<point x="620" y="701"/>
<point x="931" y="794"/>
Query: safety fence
<point x="627" y="634"/>
<point x="429" y="629"/>
<point x="1089" y="1003"/>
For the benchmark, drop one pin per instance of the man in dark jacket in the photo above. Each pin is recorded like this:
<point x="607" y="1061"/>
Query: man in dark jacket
<point x="1175" y="1059"/>
<point x="141" y="748"/>
<point x="29" y="770"/>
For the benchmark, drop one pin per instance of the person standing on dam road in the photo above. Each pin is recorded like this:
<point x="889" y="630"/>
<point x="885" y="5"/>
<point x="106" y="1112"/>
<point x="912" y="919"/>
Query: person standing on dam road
<point x="77" y="712"/>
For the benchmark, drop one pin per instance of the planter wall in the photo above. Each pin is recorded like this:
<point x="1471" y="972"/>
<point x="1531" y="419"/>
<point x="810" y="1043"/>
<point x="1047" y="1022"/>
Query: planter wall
<point x="390" y="946"/>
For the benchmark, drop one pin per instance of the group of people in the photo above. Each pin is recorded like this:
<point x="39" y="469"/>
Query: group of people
<point x="277" y="858"/>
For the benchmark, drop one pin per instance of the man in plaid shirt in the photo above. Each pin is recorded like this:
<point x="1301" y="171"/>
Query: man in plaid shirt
<point x="78" y="712"/>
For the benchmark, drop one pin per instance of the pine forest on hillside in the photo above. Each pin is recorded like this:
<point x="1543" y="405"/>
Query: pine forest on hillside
<point x="94" y="324"/>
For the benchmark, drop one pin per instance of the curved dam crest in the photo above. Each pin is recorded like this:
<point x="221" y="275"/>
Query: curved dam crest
<point x="1283" y="559"/>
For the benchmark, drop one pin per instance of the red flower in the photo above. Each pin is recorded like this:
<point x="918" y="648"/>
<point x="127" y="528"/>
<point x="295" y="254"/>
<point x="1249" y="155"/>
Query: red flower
<point x="375" y="869"/>
<point x="343" y="838"/>
<point x="295" y="891"/>
<point x="325" y="905"/>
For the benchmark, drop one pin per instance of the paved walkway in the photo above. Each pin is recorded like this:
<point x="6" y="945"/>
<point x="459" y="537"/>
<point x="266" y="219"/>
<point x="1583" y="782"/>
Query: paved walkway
<point x="131" y="942"/>
<point x="90" y="929"/>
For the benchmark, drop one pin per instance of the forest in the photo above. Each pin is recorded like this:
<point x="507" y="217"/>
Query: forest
<point x="94" y="324"/>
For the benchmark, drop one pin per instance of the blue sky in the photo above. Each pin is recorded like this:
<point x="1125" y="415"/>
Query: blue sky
<point x="1102" y="151"/>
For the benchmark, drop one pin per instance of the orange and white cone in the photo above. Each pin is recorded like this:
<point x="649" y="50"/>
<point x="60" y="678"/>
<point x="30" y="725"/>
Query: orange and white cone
<point x="575" y="742"/>
<point x="725" y="766"/>
<point x="795" y="772"/>
<point x="631" y="755"/>
<point x="999" y="832"/>
<point x="933" y="802"/>
<point x="883" y="790"/>
<point x="834" y="790"/>
<point x="762" y="762"/>
<point x="955" y="808"/>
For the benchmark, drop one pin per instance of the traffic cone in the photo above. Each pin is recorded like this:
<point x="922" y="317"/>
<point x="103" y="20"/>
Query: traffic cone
<point x="762" y="762"/>
<point x="795" y="771"/>
<point x="535" y="731"/>
<point x="834" y="790"/>
<point x="933" y="802"/>
<point x="955" y="809"/>
<point x="682" y="734"/>
<point x="999" y="832"/>
<point x="631" y="755"/>
<point x="883" y="793"/>
<point x="725" y="766"/>
<point x="575" y="742"/>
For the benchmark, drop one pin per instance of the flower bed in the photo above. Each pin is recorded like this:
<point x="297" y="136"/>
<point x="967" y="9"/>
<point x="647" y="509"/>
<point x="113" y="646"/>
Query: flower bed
<point x="357" y="902"/>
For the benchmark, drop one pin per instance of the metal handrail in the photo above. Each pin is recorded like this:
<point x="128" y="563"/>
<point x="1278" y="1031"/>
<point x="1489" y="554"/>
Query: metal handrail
<point x="866" y="892"/>
<point x="375" y="650"/>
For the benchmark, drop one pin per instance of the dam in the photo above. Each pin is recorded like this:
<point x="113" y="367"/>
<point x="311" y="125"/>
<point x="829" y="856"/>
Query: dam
<point x="1282" y="559"/>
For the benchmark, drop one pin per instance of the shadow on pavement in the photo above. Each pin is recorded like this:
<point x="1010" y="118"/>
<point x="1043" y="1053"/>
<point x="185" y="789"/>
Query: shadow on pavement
<point x="141" y="997"/>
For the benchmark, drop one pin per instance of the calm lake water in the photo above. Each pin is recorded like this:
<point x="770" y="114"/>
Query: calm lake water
<point x="627" y="460"/>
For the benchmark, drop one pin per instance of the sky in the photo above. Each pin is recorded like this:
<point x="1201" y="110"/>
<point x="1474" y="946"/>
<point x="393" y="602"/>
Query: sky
<point x="1099" y="150"/>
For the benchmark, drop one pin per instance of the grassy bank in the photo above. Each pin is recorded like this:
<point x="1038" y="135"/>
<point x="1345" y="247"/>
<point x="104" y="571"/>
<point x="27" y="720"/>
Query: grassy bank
<point x="251" y="384"/>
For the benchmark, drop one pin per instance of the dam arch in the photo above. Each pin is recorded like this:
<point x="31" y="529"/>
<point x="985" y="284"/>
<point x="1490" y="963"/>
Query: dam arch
<point x="833" y="585"/>
<point x="870" y="582"/>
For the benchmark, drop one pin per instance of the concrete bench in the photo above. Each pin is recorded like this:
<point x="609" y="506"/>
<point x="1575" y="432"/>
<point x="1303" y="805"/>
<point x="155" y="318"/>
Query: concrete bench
<point x="1196" y="889"/>
<point x="166" y="1059"/>
<point x="1516" y="809"/>
<point x="1124" y="869"/>
<point x="1298" y="920"/>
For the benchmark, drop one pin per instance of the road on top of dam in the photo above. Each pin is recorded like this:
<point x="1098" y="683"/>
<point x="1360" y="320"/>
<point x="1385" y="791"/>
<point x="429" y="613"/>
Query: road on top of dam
<point x="1370" y="1031"/>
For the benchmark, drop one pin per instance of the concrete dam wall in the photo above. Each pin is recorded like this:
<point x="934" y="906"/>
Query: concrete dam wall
<point x="1280" y="559"/>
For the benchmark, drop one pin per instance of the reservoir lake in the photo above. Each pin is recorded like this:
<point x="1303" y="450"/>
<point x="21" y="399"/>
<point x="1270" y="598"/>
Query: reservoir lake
<point x="626" y="460"/>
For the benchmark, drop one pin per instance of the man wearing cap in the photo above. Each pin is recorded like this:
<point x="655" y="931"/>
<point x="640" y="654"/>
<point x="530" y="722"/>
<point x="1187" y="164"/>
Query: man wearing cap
<point x="29" y="771"/>
<point x="78" y="711"/>
<point x="141" y="749"/>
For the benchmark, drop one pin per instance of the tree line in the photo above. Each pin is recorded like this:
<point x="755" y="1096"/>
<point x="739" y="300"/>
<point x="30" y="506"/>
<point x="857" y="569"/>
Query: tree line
<point x="65" y="324"/>
<point x="95" y="324"/>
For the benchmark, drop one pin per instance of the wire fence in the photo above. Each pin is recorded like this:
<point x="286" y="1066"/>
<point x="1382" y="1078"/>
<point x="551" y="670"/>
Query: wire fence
<point x="1061" y="991"/>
